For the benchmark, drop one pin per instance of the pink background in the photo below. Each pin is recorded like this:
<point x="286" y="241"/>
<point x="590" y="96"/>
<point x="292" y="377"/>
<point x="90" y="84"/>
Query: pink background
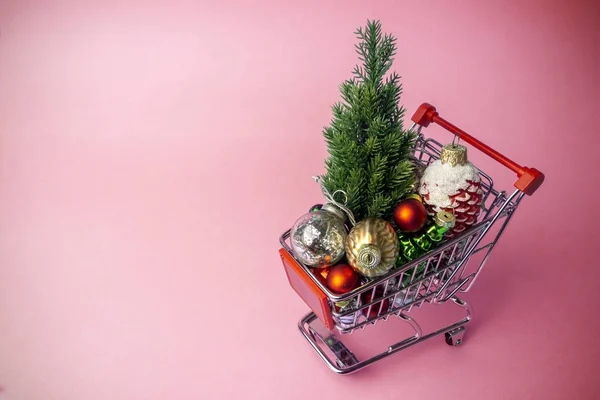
<point x="151" y="154"/>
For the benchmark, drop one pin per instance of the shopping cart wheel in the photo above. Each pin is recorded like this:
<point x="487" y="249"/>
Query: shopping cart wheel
<point x="455" y="336"/>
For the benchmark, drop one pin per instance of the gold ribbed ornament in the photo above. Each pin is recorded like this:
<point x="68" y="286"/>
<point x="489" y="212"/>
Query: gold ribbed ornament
<point x="454" y="154"/>
<point x="372" y="247"/>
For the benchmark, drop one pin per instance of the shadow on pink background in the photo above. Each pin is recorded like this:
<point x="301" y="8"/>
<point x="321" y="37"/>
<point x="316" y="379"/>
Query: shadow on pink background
<point x="152" y="153"/>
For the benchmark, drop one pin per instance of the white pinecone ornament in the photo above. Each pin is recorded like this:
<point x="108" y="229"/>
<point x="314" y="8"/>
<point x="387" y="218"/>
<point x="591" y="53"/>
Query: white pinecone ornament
<point x="453" y="184"/>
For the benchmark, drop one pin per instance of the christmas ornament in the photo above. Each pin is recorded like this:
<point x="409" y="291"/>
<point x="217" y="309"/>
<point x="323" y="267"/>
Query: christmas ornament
<point x="318" y="238"/>
<point x="372" y="247"/>
<point x="408" y="249"/>
<point x="415" y="245"/>
<point x="367" y="297"/>
<point x="443" y="221"/>
<point x="342" y="278"/>
<point x="453" y="184"/>
<point x="410" y="214"/>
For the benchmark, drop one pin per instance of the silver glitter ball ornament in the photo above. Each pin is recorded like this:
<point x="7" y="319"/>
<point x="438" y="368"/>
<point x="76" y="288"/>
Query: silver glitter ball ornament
<point x="318" y="238"/>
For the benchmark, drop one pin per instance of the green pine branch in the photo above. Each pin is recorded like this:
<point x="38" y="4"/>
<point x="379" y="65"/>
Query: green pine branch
<point x="369" y="149"/>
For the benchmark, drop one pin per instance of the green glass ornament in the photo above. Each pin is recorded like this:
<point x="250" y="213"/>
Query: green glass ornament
<point x="415" y="245"/>
<point x="434" y="234"/>
<point x="444" y="221"/>
<point x="409" y="250"/>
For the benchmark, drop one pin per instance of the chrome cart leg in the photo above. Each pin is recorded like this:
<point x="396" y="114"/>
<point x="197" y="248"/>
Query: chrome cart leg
<point x="340" y="359"/>
<point x="406" y="342"/>
<point x="454" y="336"/>
<point x="344" y="358"/>
<point x="331" y="350"/>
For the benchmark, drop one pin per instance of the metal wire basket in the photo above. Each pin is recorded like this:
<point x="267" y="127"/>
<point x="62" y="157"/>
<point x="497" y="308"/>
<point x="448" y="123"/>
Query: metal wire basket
<point x="434" y="278"/>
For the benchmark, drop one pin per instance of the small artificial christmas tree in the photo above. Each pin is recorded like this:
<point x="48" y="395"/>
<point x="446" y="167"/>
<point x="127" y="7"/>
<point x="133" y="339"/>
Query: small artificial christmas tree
<point x="369" y="149"/>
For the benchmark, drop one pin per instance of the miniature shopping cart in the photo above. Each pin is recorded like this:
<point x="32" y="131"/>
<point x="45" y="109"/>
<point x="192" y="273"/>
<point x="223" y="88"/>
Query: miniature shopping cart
<point x="444" y="272"/>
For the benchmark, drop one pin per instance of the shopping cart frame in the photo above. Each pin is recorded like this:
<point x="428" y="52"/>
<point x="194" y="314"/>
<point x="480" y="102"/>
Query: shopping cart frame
<point x="434" y="278"/>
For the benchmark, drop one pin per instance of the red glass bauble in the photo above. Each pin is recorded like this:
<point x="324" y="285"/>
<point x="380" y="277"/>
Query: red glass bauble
<point x="410" y="215"/>
<point x="367" y="297"/>
<point x="342" y="278"/>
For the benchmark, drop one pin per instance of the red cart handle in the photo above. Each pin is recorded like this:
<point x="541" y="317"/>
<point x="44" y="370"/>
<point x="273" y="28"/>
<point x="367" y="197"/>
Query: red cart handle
<point x="529" y="179"/>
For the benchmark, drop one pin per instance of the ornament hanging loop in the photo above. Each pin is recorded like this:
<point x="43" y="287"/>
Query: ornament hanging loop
<point x="343" y="194"/>
<point x="330" y="199"/>
<point x="456" y="138"/>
